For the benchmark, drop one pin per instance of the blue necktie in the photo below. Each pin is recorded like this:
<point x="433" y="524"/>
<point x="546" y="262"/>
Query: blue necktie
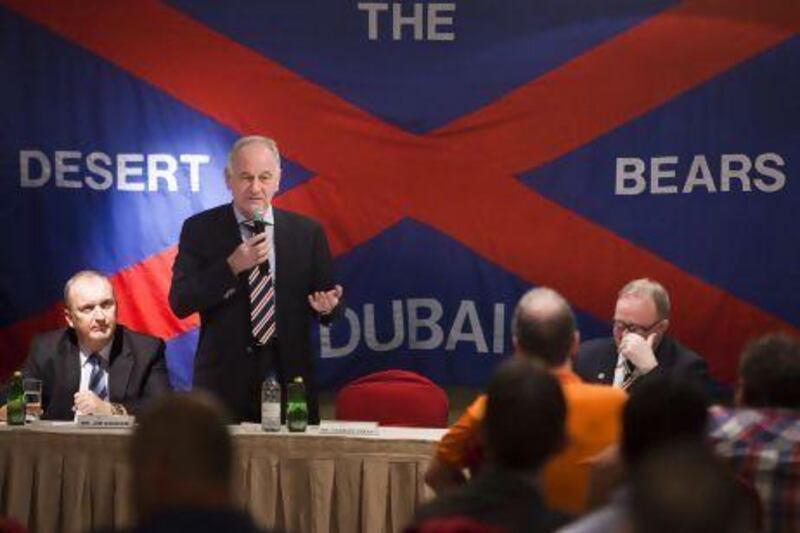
<point x="96" y="384"/>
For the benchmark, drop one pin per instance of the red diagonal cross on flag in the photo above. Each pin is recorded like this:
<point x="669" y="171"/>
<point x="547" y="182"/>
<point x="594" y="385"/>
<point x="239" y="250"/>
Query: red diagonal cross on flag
<point x="459" y="179"/>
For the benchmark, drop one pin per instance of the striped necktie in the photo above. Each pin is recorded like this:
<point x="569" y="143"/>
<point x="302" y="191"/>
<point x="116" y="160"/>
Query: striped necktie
<point x="262" y="300"/>
<point x="629" y="375"/>
<point x="96" y="382"/>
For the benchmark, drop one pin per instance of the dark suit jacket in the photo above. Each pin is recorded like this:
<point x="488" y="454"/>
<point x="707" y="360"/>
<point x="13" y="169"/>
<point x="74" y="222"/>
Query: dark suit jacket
<point x="597" y="358"/>
<point x="498" y="498"/>
<point x="137" y="371"/>
<point x="226" y="362"/>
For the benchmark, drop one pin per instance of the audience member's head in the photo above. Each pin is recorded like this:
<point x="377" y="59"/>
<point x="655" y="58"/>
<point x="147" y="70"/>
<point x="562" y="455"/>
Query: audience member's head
<point x="769" y="372"/>
<point x="661" y="412"/>
<point x="685" y="488"/>
<point x="543" y="327"/>
<point x="181" y="455"/>
<point x="525" y="416"/>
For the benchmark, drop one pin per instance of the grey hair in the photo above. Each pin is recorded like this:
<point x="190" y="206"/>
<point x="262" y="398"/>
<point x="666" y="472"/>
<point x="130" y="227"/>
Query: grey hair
<point x="270" y="144"/>
<point x="653" y="290"/>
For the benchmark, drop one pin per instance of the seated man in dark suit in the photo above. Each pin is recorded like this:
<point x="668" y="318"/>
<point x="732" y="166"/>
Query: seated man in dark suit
<point x="523" y="427"/>
<point x="639" y="346"/>
<point x="95" y="366"/>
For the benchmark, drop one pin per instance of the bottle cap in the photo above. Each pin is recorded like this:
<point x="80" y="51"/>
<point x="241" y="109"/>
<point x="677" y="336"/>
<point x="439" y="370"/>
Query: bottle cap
<point x="298" y="379"/>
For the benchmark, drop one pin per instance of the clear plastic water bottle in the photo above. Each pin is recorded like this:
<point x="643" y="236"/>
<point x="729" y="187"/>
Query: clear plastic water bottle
<point x="271" y="404"/>
<point x="296" y="408"/>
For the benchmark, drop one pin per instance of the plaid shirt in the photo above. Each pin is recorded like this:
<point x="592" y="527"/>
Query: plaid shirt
<point x="763" y="446"/>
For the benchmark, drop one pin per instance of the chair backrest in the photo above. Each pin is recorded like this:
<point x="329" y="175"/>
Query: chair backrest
<point x="453" y="524"/>
<point x="393" y="398"/>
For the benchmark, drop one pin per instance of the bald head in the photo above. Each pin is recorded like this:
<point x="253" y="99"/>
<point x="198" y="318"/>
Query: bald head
<point x="543" y="327"/>
<point x="84" y="276"/>
<point x="90" y="309"/>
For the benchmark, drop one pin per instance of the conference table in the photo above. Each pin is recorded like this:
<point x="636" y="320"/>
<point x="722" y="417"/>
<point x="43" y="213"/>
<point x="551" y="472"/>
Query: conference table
<point x="60" y="477"/>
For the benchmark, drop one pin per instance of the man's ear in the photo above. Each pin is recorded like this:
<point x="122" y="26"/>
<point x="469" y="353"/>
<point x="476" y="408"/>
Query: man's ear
<point x="576" y="341"/>
<point x="68" y="317"/>
<point x="227" y="174"/>
<point x="739" y="395"/>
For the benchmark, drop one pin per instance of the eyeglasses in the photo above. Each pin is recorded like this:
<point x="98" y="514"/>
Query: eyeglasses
<point x="626" y="327"/>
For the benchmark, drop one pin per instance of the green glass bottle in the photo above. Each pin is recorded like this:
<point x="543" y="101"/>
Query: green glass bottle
<point x="16" y="401"/>
<point x="296" y="408"/>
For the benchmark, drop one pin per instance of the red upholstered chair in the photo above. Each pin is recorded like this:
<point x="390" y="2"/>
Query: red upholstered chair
<point x="393" y="398"/>
<point x="10" y="526"/>
<point x="453" y="524"/>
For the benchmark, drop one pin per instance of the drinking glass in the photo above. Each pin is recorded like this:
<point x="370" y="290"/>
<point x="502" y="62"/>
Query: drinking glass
<point x="33" y="399"/>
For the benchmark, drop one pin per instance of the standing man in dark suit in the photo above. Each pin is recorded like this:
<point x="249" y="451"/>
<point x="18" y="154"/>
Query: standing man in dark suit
<point x="640" y="348"/>
<point x="258" y="276"/>
<point x="95" y="366"/>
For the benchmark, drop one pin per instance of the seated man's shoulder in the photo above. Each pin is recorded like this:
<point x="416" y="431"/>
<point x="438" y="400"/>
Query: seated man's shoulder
<point x="52" y="336"/>
<point x="600" y="344"/>
<point x="753" y="423"/>
<point x="491" y="507"/>
<point x="595" y="394"/>
<point x="142" y="341"/>
<point x="297" y="220"/>
<point x="682" y="362"/>
<point x="684" y="351"/>
<point x="47" y="341"/>
<point x="461" y="502"/>
<point x="212" y="213"/>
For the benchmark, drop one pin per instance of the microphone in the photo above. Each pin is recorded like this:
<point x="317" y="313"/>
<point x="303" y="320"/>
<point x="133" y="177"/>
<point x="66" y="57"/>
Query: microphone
<point x="258" y="221"/>
<point x="260" y="226"/>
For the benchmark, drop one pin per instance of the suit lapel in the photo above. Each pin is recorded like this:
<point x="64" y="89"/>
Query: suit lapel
<point x="283" y="249"/>
<point x="71" y="361"/>
<point x="120" y="366"/>
<point x="286" y="260"/>
<point x="607" y="365"/>
<point x="231" y="237"/>
<point x="231" y="234"/>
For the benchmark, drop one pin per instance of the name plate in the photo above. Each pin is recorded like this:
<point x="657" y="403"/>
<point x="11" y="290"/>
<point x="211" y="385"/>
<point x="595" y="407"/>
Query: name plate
<point x="104" y="421"/>
<point x="339" y="427"/>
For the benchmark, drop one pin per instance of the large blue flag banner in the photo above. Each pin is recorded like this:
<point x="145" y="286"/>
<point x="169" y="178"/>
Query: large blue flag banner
<point x="457" y="153"/>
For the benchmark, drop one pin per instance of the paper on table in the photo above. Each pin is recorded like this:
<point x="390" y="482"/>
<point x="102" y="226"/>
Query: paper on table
<point x="104" y="421"/>
<point x="341" y="427"/>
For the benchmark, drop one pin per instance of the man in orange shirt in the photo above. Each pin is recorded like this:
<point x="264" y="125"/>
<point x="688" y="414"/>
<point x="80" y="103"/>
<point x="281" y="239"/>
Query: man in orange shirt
<point x="543" y="329"/>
